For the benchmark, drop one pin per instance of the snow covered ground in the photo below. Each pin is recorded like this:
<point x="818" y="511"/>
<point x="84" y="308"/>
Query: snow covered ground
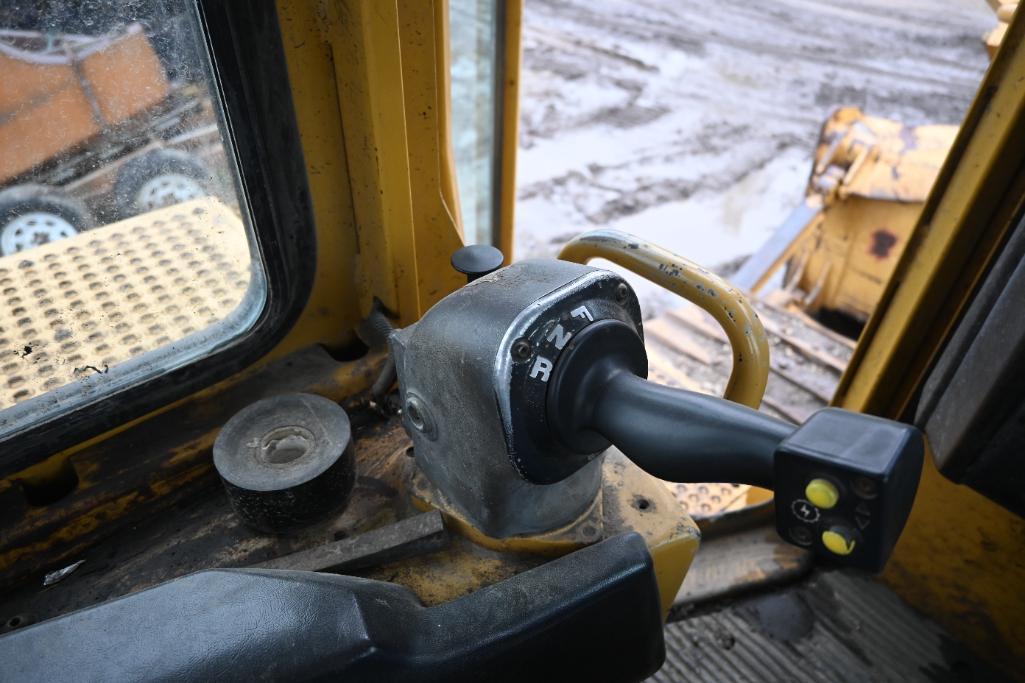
<point x="692" y="122"/>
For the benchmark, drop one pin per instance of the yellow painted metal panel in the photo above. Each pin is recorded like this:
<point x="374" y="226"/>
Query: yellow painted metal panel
<point x="364" y="38"/>
<point x="962" y="223"/>
<point x="443" y="105"/>
<point x="511" y="26"/>
<point x="960" y="561"/>
<point x="437" y="232"/>
<point x="853" y="251"/>
<point x="370" y="88"/>
<point x="333" y="307"/>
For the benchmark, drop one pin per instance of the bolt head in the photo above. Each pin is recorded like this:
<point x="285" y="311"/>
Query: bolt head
<point x="521" y="350"/>
<point x="622" y="292"/>
<point x="415" y="414"/>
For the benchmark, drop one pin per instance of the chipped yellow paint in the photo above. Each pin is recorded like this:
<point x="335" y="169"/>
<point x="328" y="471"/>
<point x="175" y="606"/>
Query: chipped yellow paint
<point x="728" y="306"/>
<point x="637" y="501"/>
<point x="578" y="533"/>
<point x="869" y="182"/>
<point x="630" y="500"/>
<point x="163" y="487"/>
<point x="74" y="528"/>
<point x="345" y="380"/>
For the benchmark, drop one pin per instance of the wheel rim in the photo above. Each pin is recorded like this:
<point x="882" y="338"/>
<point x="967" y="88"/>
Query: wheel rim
<point x="167" y="189"/>
<point x="34" y="229"/>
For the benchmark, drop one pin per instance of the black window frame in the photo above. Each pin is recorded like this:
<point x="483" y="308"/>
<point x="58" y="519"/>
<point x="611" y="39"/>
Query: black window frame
<point x="250" y="78"/>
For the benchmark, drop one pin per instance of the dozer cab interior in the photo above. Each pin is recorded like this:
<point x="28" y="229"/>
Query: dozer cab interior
<point x="309" y="420"/>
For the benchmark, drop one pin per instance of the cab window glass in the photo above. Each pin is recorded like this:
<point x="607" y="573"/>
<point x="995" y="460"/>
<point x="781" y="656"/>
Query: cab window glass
<point x="124" y="248"/>
<point x="474" y="104"/>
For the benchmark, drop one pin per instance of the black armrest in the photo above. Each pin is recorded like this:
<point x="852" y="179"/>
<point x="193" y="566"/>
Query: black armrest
<point x="592" y="614"/>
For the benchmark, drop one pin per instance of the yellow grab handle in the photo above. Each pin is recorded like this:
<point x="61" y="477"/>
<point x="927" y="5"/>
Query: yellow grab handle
<point x="705" y="289"/>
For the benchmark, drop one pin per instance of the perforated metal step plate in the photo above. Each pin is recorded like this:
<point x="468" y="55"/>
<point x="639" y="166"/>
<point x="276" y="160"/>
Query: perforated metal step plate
<point x="86" y="303"/>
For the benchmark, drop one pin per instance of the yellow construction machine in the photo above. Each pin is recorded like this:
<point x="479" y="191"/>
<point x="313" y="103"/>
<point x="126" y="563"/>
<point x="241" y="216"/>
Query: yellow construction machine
<point x="308" y="430"/>
<point x="1005" y="13"/>
<point x="869" y="182"/>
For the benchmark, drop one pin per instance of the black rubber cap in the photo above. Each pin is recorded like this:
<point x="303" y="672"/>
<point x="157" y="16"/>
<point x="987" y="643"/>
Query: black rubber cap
<point x="287" y="461"/>
<point x="477" y="260"/>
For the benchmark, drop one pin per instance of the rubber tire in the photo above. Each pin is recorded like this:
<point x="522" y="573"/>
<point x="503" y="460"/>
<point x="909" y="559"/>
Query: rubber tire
<point x="137" y="172"/>
<point x="22" y="199"/>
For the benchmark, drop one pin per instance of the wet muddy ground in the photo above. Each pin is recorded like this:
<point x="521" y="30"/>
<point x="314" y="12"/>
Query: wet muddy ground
<point x="692" y="122"/>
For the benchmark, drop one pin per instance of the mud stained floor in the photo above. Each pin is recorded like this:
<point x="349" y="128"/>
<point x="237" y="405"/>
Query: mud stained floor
<point x="814" y="632"/>
<point x="692" y="122"/>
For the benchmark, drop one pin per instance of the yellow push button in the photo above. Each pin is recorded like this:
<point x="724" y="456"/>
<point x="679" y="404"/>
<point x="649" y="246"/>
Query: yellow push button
<point x="822" y="493"/>
<point x="838" y="541"/>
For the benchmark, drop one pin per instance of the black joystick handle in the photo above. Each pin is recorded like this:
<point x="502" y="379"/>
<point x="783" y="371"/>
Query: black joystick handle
<point x="724" y="441"/>
<point x="844" y="482"/>
<point x="598" y="396"/>
<point x="477" y="260"/>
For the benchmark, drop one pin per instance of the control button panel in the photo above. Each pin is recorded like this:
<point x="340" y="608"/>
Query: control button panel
<point x="845" y="483"/>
